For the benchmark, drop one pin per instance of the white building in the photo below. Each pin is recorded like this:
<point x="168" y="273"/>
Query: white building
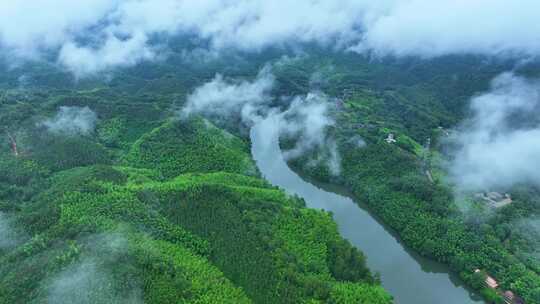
<point x="390" y="139"/>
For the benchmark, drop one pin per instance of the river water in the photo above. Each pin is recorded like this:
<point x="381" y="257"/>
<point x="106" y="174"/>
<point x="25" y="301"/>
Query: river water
<point x="410" y="278"/>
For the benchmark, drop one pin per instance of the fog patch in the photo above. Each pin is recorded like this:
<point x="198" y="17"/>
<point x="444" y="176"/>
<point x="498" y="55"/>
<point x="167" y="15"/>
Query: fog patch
<point x="307" y="121"/>
<point x="95" y="35"/>
<point x="94" y="277"/>
<point x="320" y="78"/>
<point x="223" y="97"/>
<point x="529" y="230"/>
<point x="84" y="282"/>
<point x="8" y="235"/>
<point x="435" y="28"/>
<point x="499" y="146"/>
<point x="199" y="55"/>
<point x="334" y="163"/>
<point x="304" y="118"/>
<point x="357" y="141"/>
<point x="115" y="52"/>
<point x="23" y="82"/>
<point x="286" y="60"/>
<point x="72" y="121"/>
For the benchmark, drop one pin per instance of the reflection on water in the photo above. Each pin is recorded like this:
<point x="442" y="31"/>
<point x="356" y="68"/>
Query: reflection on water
<point x="410" y="278"/>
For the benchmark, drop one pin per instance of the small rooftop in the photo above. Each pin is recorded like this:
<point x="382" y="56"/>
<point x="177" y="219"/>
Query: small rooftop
<point x="511" y="298"/>
<point x="489" y="281"/>
<point x="495" y="199"/>
<point x="390" y="139"/>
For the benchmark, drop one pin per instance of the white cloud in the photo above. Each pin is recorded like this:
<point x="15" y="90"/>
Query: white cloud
<point x="8" y="236"/>
<point x="222" y="97"/>
<point x="83" y="61"/>
<point x="357" y="141"/>
<point x="305" y="118"/>
<point x="500" y="146"/>
<point x="432" y="28"/>
<point x="90" y="279"/>
<point x="71" y="121"/>
<point x="27" y="27"/>
<point x="96" y="35"/>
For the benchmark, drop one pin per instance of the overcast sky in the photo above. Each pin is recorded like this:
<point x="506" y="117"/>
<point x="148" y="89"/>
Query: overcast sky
<point x="120" y="30"/>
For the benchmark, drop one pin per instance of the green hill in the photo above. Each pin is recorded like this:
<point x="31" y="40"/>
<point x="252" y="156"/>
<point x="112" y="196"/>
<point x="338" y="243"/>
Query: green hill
<point x="179" y="217"/>
<point x="193" y="145"/>
<point x="203" y="238"/>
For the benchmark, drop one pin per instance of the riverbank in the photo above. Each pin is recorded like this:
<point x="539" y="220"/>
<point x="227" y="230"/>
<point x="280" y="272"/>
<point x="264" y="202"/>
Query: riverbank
<point x="408" y="277"/>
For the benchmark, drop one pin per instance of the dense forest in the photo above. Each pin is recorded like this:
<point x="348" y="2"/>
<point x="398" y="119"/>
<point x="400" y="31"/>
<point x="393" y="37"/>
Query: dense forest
<point x="420" y="110"/>
<point x="142" y="206"/>
<point x="178" y="207"/>
<point x="234" y="151"/>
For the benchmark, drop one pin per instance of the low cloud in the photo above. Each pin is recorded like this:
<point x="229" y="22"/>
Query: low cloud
<point x="72" y="121"/>
<point x="528" y="229"/>
<point x="96" y="35"/>
<point x="321" y="78"/>
<point x="305" y="118"/>
<point x="434" y="28"/>
<point x="91" y="280"/>
<point x="28" y="28"/>
<point x="499" y="146"/>
<point x="8" y="236"/>
<point x="222" y="97"/>
<point x="357" y="141"/>
<point x="115" y="52"/>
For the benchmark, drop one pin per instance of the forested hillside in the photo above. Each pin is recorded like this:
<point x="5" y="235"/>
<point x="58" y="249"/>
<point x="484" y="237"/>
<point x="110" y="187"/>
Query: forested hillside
<point x="109" y="197"/>
<point x="93" y="167"/>
<point x="405" y="182"/>
<point x="233" y="151"/>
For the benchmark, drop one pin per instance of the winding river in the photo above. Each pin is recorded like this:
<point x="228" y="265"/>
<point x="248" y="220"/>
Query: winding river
<point x="410" y="278"/>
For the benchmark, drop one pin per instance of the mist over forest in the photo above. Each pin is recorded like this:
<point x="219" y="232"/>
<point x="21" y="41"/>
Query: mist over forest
<point x="127" y="154"/>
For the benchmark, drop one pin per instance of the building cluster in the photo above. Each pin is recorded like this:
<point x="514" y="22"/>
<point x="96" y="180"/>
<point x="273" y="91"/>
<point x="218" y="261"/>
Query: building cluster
<point x="511" y="298"/>
<point x="508" y="296"/>
<point x="494" y="199"/>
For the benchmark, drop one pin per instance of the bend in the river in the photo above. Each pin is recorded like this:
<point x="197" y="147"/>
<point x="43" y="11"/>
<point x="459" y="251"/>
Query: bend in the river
<point x="411" y="279"/>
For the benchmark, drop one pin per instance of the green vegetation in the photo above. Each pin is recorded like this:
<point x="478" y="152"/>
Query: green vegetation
<point x="390" y="177"/>
<point x="427" y="221"/>
<point x="191" y="146"/>
<point x="155" y="209"/>
<point x="149" y="209"/>
<point x="194" y="237"/>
